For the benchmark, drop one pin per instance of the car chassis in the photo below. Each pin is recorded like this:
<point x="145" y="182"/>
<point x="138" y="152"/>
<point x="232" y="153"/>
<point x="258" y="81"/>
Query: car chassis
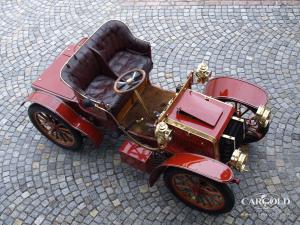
<point x="193" y="138"/>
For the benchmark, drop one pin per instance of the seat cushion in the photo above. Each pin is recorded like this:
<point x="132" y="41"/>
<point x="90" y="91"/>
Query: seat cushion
<point x="124" y="61"/>
<point x="101" y="89"/>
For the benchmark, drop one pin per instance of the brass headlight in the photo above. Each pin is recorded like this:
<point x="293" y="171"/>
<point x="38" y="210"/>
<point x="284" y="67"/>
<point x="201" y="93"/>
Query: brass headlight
<point x="239" y="159"/>
<point x="262" y="116"/>
<point x="162" y="134"/>
<point x="202" y="74"/>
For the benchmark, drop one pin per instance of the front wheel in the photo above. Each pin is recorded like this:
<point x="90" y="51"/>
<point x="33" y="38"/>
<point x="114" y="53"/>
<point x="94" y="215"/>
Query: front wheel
<point x="199" y="192"/>
<point x="54" y="128"/>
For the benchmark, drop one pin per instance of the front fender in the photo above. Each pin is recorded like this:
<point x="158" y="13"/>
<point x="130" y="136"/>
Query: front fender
<point x="66" y="113"/>
<point x="229" y="88"/>
<point x="199" y="164"/>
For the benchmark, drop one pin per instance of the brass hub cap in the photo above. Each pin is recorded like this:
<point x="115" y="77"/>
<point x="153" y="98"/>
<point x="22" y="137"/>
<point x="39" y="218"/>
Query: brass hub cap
<point x="54" y="129"/>
<point x="198" y="191"/>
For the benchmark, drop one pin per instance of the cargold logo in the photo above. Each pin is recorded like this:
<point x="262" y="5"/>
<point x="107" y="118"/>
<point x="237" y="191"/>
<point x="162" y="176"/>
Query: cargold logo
<point x="265" y="201"/>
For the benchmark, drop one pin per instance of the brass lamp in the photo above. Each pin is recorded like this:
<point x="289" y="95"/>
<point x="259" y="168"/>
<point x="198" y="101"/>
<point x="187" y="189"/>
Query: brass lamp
<point x="202" y="74"/>
<point x="262" y="116"/>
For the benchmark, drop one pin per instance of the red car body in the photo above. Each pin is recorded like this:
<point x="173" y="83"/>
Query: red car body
<point x="198" y="121"/>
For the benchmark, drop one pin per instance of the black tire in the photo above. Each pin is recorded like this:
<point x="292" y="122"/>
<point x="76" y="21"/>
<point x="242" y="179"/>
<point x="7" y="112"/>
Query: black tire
<point x="65" y="136"/>
<point x="224" y="191"/>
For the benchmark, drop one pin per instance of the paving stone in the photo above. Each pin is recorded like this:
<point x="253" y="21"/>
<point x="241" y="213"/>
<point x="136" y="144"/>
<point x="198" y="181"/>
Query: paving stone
<point x="18" y="222"/>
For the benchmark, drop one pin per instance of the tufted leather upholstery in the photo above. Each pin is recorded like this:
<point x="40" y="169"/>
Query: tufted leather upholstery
<point x="111" y="51"/>
<point x="125" y="61"/>
<point x="114" y="40"/>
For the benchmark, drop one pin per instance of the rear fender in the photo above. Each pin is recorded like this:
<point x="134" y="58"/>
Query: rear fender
<point x="66" y="113"/>
<point x="228" y="88"/>
<point x="198" y="164"/>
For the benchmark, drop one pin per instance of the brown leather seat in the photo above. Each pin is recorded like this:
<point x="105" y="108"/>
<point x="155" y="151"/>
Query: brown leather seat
<point x="124" y="61"/>
<point x="119" y="49"/>
<point x="108" y="53"/>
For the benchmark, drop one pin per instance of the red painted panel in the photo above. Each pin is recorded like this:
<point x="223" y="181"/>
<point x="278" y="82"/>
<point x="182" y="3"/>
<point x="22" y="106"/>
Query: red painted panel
<point x="67" y="114"/>
<point x="206" y="111"/>
<point x="183" y="142"/>
<point x="198" y="103"/>
<point x="199" y="164"/>
<point x="50" y="81"/>
<point x="136" y="156"/>
<point x="235" y="89"/>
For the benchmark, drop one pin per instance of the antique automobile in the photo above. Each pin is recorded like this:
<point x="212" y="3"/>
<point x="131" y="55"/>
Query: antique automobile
<point x="194" y="139"/>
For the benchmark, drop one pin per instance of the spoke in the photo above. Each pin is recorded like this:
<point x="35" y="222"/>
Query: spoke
<point x="208" y="200"/>
<point x="124" y="87"/>
<point x="56" y="134"/>
<point x="42" y="116"/>
<point x="210" y="192"/>
<point x="134" y="74"/>
<point x="68" y="136"/>
<point x="188" y="180"/>
<point x="202" y="200"/>
<point x="216" y="199"/>
<point x="137" y="76"/>
<point x="61" y="134"/>
<point x="135" y="82"/>
<point x="183" y="186"/>
<point x="54" y="121"/>
<point x="42" y="120"/>
<point x="49" y="129"/>
<point x="65" y="130"/>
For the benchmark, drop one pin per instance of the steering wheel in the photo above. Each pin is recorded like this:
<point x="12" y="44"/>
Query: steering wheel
<point x="129" y="81"/>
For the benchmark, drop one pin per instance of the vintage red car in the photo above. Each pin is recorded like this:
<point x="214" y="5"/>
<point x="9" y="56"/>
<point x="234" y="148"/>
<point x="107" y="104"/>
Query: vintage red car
<point x="192" y="138"/>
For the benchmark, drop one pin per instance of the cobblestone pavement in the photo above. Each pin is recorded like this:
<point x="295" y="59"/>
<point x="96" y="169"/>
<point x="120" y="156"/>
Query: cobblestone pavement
<point x="43" y="184"/>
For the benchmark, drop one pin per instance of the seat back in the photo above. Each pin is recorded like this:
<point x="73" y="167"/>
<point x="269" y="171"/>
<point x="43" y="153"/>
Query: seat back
<point x="110" y="38"/>
<point x="81" y="69"/>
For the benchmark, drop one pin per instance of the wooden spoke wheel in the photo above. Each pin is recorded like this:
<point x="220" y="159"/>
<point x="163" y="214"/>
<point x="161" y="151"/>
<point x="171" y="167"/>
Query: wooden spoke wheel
<point x="253" y="132"/>
<point x="54" y="128"/>
<point x="199" y="192"/>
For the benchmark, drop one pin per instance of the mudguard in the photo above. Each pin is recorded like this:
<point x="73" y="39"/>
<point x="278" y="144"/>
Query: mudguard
<point x="228" y="88"/>
<point x="66" y="113"/>
<point x="199" y="164"/>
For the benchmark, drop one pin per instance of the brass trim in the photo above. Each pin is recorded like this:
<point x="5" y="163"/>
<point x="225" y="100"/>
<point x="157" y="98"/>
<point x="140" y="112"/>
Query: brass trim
<point x="210" y="97"/>
<point x="190" y="130"/>
<point x="137" y="94"/>
<point x="129" y="104"/>
<point x="178" y="95"/>
<point x="230" y="138"/>
<point x="238" y="119"/>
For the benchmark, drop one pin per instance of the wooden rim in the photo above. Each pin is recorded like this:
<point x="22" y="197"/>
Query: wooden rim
<point x="198" y="191"/>
<point x="124" y="78"/>
<point x="54" y="129"/>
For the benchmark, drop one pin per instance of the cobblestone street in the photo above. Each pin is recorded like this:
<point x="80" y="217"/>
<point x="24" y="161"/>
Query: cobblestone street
<point x="41" y="183"/>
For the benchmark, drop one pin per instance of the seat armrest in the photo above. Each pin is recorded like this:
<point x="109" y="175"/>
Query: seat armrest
<point x="140" y="46"/>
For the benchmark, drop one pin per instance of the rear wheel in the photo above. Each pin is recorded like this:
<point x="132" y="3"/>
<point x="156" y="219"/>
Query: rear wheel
<point x="199" y="192"/>
<point x="54" y="128"/>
